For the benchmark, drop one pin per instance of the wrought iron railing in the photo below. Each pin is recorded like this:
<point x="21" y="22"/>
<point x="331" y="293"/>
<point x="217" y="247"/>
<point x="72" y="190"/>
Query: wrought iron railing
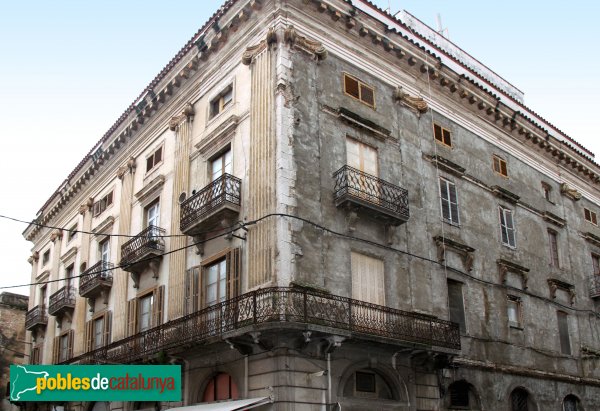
<point x="277" y="306"/>
<point x="225" y="189"/>
<point x="149" y="240"/>
<point x="37" y="315"/>
<point x="372" y="190"/>
<point x="594" y="286"/>
<point x="64" y="297"/>
<point x="98" y="274"/>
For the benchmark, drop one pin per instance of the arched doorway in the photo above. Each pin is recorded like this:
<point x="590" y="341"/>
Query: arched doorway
<point x="521" y="400"/>
<point x="462" y="395"/>
<point x="220" y="387"/>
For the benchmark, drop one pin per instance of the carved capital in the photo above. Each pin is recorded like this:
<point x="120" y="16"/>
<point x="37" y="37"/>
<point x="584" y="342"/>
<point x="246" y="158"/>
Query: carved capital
<point x="252" y="51"/>
<point x="416" y="104"/>
<point x="187" y="114"/>
<point x="35" y="256"/>
<point x="129" y="166"/>
<point x="86" y="206"/>
<point x="302" y="43"/>
<point x="56" y="235"/>
<point x="569" y="192"/>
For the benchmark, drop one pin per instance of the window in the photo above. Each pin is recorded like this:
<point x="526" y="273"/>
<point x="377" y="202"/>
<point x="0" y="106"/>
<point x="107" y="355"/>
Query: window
<point x="514" y="311"/>
<point x="43" y="291"/>
<point x="459" y="394"/>
<point x="590" y="216"/>
<point x="563" y="332"/>
<point x="221" y="277"/>
<point x="368" y="383"/>
<point x="145" y="311"/>
<point x="101" y="205"/>
<point x="596" y="264"/>
<point x="500" y="166"/>
<point x="571" y="403"/>
<point x="455" y="304"/>
<point x="519" y="400"/>
<point x="45" y="257"/>
<point x="72" y="233"/>
<point x="69" y="274"/>
<point x="449" y="201"/>
<point x="507" y="227"/>
<point x="154" y="159"/>
<point x="36" y="355"/>
<point x="553" y="242"/>
<point x="367" y="278"/>
<point x="365" y="382"/>
<point x="361" y="157"/>
<point x="547" y="190"/>
<point x="221" y="102"/>
<point x="104" y="250"/>
<point x="220" y="387"/>
<point x="153" y="214"/>
<point x="97" y="331"/>
<point x="221" y="165"/>
<point x="63" y="347"/>
<point x="442" y="135"/>
<point x="359" y="90"/>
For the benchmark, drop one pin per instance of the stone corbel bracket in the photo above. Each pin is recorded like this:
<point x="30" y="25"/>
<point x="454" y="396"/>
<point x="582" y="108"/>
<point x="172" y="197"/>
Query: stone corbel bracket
<point x="569" y="192"/>
<point x="504" y="266"/>
<point x="187" y="114"/>
<point x="555" y="285"/>
<point x="466" y="252"/>
<point x="253" y="51"/>
<point x="416" y="104"/>
<point x="311" y="47"/>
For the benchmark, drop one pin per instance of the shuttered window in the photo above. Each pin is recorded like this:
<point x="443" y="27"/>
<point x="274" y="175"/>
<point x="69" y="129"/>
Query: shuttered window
<point x="359" y="90"/>
<point x="500" y="166"/>
<point x="63" y="347"/>
<point x="97" y="331"/>
<point x="442" y="135"/>
<point x="220" y="277"/>
<point x="590" y="216"/>
<point x="455" y="304"/>
<point x="563" y="332"/>
<point x="449" y="201"/>
<point x="367" y="278"/>
<point x="507" y="227"/>
<point x="145" y="311"/>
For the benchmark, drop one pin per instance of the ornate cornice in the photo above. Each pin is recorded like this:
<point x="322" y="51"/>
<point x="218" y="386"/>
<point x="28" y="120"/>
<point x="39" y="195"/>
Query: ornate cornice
<point x="417" y="104"/>
<point x="186" y="115"/>
<point x="253" y="51"/>
<point x="130" y="166"/>
<point x="310" y="46"/>
<point x="56" y="235"/>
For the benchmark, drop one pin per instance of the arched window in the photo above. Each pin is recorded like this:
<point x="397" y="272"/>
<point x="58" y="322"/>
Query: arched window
<point x="571" y="403"/>
<point x="220" y="387"/>
<point x="520" y="400"/>
<point x="462" y="395"/>
<point x="367" y="383"/>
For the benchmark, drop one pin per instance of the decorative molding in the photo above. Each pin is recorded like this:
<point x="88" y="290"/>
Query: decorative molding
<point x="444" y="164"/>
<point x="312" y="47"/>
<point x="554" y="219"/>
<point x="218" y="137"/>
<point x="555" y="285"/>
<point x="85" y="207"/>
<point x="130" y="166"/>
<point x="104" y="226"/>
<point x="464" y="250"/>
<point x="150" y="189"/>
<point x="591" y="238"/>
<point x="569" y="192"/>
<point x="35" y="256"/>
<point x="359" y="122"/>
<point x="505" y="194"/>
<point x="187" y="114"/>
<point x="416" y="104"/>
<point x="69" y="255"/>
<point x="505" y="266"/>
<point x="253" y="51"/>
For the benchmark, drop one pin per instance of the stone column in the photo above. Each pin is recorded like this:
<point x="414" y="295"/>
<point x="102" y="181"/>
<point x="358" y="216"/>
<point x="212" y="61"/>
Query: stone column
<point x="56" y="238"/>
<point x="120" y="277"/>
<point x="81" y="306"/>
<point x="182" y="126"/>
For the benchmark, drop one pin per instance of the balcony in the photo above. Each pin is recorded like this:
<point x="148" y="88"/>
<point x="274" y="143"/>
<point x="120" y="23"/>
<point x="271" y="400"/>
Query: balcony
<point x="36" y="317"/>
<point x="62" y="301"/>
<point x="277" y="309"/>
<point x="594" y="286"/>
<point x="218" y="201"/>
<point x="143" y="251"/>
<point x="357" y="189"/>
<point x="96" y="280"/>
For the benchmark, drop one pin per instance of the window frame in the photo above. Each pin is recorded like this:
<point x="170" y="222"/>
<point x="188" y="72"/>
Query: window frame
<point x="595" y="264"/>
<point x="554" y="251"/>
<point x="449" y="185"/>
<point x="220" y="103"/>
<point x="103" y="204"/>
<point x="45" y="257"/>
<point x="496" y="159"/>
<point x="72" y="233"/>
<point x="154" y="204"/>
<point x="502" y="213"/>
<point x="518" y="305"/>
<point x="221" y="156"/>
<point x="547" y="191"/>
<point x="152" y="156"/>
<point x="360" y="85"/>
<point x="442" y="135"/>
<point x="593" y="217"/>
<point x="564" y="336"/>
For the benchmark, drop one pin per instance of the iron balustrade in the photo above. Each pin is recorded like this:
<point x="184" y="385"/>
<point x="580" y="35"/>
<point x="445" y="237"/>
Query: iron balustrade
<point x="595" y="286"/>
<point x="277" y="306"/>
<point x="64" y="297"/>
<point x="148" y="241"/>
<point x="98" y="274"/>
<point x="225" y="189"/>
<point x="37" y="315"/>
<point x="371" y="190"/>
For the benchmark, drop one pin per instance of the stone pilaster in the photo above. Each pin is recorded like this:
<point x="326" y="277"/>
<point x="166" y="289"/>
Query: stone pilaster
<point x="80" y="302"/>
<point x="182" y="126"/>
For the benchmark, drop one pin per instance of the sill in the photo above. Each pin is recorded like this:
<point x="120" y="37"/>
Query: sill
<point x="152" y="170"/>
<point x="221" y="114"/>
<point x="441" y="144"/>
<point x="452" y="223"/>
<point x="501" y="175"/>
<point x="515" y="327"/>
<point x="510" y="247"/>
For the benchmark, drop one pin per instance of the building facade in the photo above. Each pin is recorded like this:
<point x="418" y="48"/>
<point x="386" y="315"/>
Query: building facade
<point x="319" y="206"/>
<point x="13" y="308"/>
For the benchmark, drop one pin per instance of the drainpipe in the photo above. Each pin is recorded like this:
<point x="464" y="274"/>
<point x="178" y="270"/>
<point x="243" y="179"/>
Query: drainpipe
<point x="328" y="378"/>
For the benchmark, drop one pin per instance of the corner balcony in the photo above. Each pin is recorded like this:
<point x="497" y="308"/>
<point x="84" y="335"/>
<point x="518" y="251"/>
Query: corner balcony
<point x="96" y="280"/>
<point x="279" y="310"/>
<point x="143" y="251"/>
<point x="360" y="190"/>
<point x="594" y="286"/>
<point x="208" y="208"/>
<point x="62" y="301"/>
<point x="36" y="317"/>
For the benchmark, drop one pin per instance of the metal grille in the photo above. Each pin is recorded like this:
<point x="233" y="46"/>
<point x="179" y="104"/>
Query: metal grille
<point x="225" y="189"/>
<point x="459" y="394"/>
<point x="37" y="315"/>
<point x="519" y="399"/>
<point x="277" y="306"/>
<point x="594" y="286"/>
<point x="99" y="273"/>
<point x="370" y="189"/>
<point x="65" y="297"/>
<point x="149" y="240"/>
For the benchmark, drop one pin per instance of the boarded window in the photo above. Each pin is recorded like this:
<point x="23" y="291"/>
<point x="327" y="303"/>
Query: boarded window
<point x="449" y="201"/>
<point x="442" y="135"/>
<point x="455" y="304"/>
<point x="563" y="332"/>
<point x="367" y="279"/>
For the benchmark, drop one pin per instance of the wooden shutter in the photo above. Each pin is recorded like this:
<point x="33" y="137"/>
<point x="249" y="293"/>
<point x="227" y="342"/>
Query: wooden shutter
<point x="71" y="343"/>
<point x="88" y="335"/>
<point x="157" y="305"/>
<point x="192" y="290"/>
<point x="132" y="312"/>
<point x="351" y="86"/>
<point x="107" y="328"/>
<point x="233" y="273"/>
<point x="367" y="279"/>
<point x="56" y="350"/>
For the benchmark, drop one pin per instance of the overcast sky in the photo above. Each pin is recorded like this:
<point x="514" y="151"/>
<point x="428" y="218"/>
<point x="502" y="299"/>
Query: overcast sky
<point x="68" y="69"/>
